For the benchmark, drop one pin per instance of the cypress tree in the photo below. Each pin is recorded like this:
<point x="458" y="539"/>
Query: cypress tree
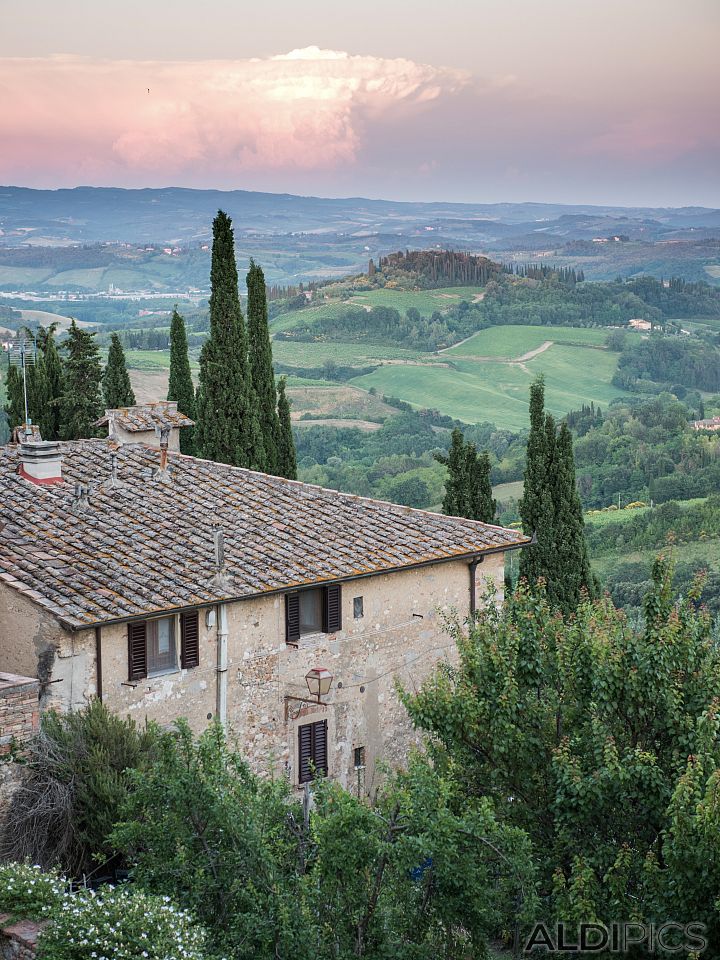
<point x="226" y="429"/>
<point x="482" y="504"/>
<point x="50" y="376"/>
<point x="286" y="461"/>
<point x="81" y="400"/>
<point x="117" y="389"/>
<point x="261" y="367"/>
<point x="15" y="405"/>
<point x="572" y="564"/>
<point x="536" y="505"/>
<point x="455" y="501"/>
<point x="180" y="386"/>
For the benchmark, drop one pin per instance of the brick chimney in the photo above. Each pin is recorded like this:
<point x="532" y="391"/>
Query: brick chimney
<point x="41" y="462"/>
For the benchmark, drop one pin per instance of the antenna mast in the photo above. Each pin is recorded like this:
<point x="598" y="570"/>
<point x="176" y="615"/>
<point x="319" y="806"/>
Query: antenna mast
<point x="22" y="353"/>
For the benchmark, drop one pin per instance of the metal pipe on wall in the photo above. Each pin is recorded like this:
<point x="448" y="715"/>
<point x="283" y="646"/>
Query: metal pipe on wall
<point x="222" y="663"/>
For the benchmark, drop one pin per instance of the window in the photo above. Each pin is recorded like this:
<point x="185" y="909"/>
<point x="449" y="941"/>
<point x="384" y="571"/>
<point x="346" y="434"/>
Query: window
<point x="358" y="608"/>
<point x="161" y="646"/>
<point x="311" y="607"/>
<point x="316" y="610"/>
<point x="152" y="647"/>
<point x="312" y="751"/>
<point x="359" y="758"/>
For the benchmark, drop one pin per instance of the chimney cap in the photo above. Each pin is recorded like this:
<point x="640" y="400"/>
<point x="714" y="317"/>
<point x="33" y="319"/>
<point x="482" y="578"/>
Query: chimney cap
<point x="41" y="461"/>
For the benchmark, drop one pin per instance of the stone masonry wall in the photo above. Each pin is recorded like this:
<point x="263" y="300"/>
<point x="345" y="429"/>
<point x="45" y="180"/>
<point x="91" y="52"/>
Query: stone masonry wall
<point x="400" y="638"/>
<point x="18" y="941"/>
<point x="19" y="710"/>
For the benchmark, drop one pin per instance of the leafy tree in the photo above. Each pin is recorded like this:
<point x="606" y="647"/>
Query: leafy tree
<point x="261" y="367"/>
<point x="117" y="390"/>
<point x="418" y="874"/>
<point x="455" y="502"/>
<point x="80" y="401"/>
<point x="227" y="428"/>
<point x="599" y="740"/>
<point x="286" y="462"/>
<point x="180" y="385"/>
<point x="15" y="406"/>
<point x="482" y="505"/>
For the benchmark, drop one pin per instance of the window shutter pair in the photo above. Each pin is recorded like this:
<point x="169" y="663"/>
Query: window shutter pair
<point x="312" y="750"/>
<point x="189" y="645"/>
<point x="332" y="612"/>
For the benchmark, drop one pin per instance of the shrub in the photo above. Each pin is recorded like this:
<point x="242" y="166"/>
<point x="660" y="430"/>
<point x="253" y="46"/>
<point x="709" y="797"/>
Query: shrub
<point x="27" y="893"/>
<point x="76" y="779"/>
<point x="120" y="924"/>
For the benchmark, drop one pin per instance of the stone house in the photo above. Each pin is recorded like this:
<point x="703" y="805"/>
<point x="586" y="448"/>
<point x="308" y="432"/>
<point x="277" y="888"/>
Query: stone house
<point x="171" y="586"/>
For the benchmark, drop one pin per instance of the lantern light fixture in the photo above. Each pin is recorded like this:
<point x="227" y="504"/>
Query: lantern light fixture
<point x="319" y="681"/>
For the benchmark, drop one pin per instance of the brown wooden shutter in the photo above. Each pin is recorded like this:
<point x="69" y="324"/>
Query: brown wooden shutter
<point x="333" y="608"/>
<point x="320" y="752"/>
<point x="189" y="640"/>
<point x="137" y="650"/>
<point x="292" y="617"/>
<point x="304" y="752"/>
<point x="312" y="750"/>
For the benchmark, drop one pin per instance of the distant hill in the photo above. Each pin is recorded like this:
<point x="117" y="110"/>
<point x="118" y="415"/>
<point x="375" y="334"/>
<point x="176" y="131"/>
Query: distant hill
<point x="92" y="240"/>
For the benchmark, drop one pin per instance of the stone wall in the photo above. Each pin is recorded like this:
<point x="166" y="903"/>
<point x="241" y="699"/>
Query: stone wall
<point x="18" y="941"/>
<point x="401" y="637"/>
<point x="19" y="711"/>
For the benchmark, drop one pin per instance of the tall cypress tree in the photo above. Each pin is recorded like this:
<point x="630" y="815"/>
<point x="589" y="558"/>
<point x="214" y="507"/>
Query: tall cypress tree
<point x="15" y="405"/>
<point x="286" y="460"/>
<point x="482" y="504"/>
<point x="455" y="501"/>
<point x="227" y="430"/>
<point x="572" y="561"/>
<point x="180" y="385"/>
<point x="536" y="505"/>
<point x="51" y="374"/>
<point x="261" y="367"/>
<point x="81" y="400"/>
<point x="117" y="390"/>
<point x="551" y="507"/>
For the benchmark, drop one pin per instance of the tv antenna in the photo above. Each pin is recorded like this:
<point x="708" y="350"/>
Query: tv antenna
<point x="22" y="353"/>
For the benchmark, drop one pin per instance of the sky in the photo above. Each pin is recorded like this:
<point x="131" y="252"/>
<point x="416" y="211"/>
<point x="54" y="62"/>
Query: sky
<point x="573" y="101"/>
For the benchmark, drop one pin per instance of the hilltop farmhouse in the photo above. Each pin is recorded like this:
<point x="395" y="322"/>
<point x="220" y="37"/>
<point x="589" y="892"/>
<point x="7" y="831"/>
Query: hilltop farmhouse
<point x="171" y="586"/>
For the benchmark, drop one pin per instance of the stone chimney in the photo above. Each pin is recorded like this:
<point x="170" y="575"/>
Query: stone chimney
<point x="41" y="462"/>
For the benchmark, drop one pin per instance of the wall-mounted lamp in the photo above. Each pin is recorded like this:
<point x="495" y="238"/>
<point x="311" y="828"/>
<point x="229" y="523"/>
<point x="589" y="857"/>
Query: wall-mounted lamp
<point x="319" y="681"/>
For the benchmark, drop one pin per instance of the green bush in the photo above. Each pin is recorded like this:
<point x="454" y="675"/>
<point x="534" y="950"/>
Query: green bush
<point x="26" y="893"/>
<point x="120" y="923"/>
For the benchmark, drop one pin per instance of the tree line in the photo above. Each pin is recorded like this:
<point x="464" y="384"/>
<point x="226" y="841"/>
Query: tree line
<point x="242" y="417"/>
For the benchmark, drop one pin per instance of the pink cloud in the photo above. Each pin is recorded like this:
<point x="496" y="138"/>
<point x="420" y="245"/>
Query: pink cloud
<point x="304" y="110"/>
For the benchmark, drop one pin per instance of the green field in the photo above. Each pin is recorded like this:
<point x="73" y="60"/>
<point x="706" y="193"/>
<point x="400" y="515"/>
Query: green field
<point x="475" y="391"/>
<point x="514" y="341"/>
<point x="298" y="354"/>
<point x="426" y="301"/>
<point x="706" y="553"/>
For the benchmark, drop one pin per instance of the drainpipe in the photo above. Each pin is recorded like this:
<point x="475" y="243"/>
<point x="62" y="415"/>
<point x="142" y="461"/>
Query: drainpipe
<point x="98" y="663"/>
<point x="472" y="567"/>
<point x="222" y="663"/>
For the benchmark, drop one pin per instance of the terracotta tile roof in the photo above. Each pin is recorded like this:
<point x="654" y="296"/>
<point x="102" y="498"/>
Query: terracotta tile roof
<point x="146" y="544"/>
<point x="146" y="416"/>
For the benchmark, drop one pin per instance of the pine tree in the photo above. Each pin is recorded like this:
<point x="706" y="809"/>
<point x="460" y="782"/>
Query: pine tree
<point x="117" y="390"/>
<point x="81" y="400"/>
<point x="536" y="506"/>
<point x="226" y="429"/>
<point x="261" y="367"/>
<point x="286" y="461"/>
<point x="180" y="386"/>
<point x="572" y="564"/>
